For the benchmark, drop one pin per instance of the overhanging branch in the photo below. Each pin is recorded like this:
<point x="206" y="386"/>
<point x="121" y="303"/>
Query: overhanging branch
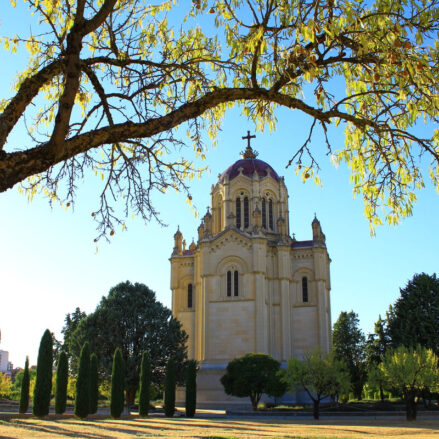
<point x="17" y="166"/>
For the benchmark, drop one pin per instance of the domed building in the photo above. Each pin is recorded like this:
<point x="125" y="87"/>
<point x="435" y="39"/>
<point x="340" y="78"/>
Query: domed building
<point x="246" y="285"/>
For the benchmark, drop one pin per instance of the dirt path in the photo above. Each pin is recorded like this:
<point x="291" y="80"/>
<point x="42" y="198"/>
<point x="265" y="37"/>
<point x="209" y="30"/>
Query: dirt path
<point x="159" y="427"/>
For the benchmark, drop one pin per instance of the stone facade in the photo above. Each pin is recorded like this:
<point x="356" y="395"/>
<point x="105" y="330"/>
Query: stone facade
<point x="246" y="285"/>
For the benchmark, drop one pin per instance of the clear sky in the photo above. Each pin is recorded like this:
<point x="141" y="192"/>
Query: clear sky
<point x="49" y="263"/>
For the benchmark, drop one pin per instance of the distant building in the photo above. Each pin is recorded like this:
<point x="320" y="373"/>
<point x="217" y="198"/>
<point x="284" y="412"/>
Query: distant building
<point x="5" y="365"/>
<point x="247" y="285"/>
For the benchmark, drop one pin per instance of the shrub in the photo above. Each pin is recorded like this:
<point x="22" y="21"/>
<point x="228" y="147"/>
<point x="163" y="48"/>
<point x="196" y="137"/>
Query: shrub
<point x="5" y="385"/>
<point x="191" y="388"/>
<point x="117" y="385"/>
<point x="24" y="394"/>
<point x="61" y="384"/>
<point x="170" y="384"/>
<point x="83" y="383"/>
<point x="94" y="386"/>
<point x="145" y="384"/>
<point x="43" y="383"/>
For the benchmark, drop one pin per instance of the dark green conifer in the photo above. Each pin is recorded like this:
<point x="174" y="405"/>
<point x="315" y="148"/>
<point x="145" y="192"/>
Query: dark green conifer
<point x="62" y="376"/>
<point x="191" y="388"/>
<point x="170" y="383"/>
<point x="94" y="385"/>
<point x="83" y="383"/>
<point x="24" y="395"/>
<point x="117" y="385"/>
<point x="145" y="384"/>
<point x="43" y="383"/>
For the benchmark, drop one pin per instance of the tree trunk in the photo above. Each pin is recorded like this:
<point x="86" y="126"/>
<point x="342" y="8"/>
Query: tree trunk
<point x="381" y="393"/>
<point x="358" y="391"/>
<point x="254" y="399"/>
<point x="130" y="397"/>
<point x="316" y="409"/>
<point x="411" y="408"/>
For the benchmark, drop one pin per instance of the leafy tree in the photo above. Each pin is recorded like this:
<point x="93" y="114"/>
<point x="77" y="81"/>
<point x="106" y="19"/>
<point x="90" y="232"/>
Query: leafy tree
<point x="349" y="347"/>
<point x="414" y="319"/>
<point x="83" y="383"/>
<point x="319" y="375"/>
<point x="105" y="388"/>
<point x="376" y="346"/>
<point x="43" y="383"/>
<point x="170" y="384"/>
<point x="111" y="84"/>
<point x="71" y="387"/>
<point x="71" y="323"/>
<point x="62" y="377"/>
<point x="5" y="385"/>
<point x="18" y="379"/>
<point x="24" y="393"/>
<point x="252" y="375"/>
<point x="94" y="385"/>
<point x="117" y="385"/>
<point x="140" y="324"/>
<point x="409" y="371"/>
<point x="145" y="384"/>
<point x="56" y="348"/>
<point x="377" y="342"/>
<point x="376" y="378"/>
<point x="191" y="388"/>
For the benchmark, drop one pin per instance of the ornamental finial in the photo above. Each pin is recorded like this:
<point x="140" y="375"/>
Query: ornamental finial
<point x="248" y="153"/>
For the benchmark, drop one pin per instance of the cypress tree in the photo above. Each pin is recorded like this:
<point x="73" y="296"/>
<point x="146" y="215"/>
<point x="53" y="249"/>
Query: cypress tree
<point x="191" y="388"/>
<point x="94" y="387"/>
<point x="61" y="384"/>
<point x="145" y="384"/>
<point x="24" y="395"/>
<point x="170" y="383"/>
<point x="83" y="383"/>
<point x="43" y="383"/>
<point x="117" y="385"/>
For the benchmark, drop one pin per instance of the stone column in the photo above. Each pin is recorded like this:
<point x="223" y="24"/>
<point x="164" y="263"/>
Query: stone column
<point x="261" y="335"/>
<point x="285" y="308"/>
<point x="283" y="261"/>
<point x="323" y="316"/>
<point x="320" y="274"/>
<point x="203" y="336"/>
<point x="200" y="306"/>
<point x="259" y="270"/>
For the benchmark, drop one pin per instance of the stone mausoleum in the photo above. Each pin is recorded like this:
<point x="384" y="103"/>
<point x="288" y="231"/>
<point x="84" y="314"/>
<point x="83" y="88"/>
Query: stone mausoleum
<point x="246" y="285"/>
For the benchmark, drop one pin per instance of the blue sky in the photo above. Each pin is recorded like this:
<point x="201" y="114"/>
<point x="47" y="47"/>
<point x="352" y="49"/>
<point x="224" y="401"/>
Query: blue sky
<point x="49" y="263"/>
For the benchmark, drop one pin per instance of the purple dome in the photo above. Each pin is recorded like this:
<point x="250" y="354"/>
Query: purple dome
<point x="249" y="166"/>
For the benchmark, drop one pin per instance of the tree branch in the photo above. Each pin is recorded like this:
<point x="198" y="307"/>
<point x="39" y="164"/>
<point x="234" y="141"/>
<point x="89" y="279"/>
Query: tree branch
<point x="16" y="166"/>
<point x="29" y="88"/>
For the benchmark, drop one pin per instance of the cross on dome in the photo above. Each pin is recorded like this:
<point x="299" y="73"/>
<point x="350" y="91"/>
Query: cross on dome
<point x="248" y="153"/>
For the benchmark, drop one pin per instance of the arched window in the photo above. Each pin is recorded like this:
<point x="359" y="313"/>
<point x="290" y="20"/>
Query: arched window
<point x="238" y="213"/>
<point x="246" y="216"/>
<point x="229" y="283"/>
<point x="189" y="296"/>
<point x="304" y="289"/>
<point x="264" y="213"/>
<point x="270" y="214"/>
<point x="236" y="283"/>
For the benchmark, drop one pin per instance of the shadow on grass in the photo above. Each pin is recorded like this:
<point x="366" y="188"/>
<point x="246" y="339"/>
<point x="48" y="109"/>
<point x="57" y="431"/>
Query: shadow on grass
<point x="53" y="429"/>
<point x="278" y="437"/>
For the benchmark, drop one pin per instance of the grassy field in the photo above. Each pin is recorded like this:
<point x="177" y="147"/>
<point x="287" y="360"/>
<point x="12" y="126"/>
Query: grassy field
<point x="24" y="426"/>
